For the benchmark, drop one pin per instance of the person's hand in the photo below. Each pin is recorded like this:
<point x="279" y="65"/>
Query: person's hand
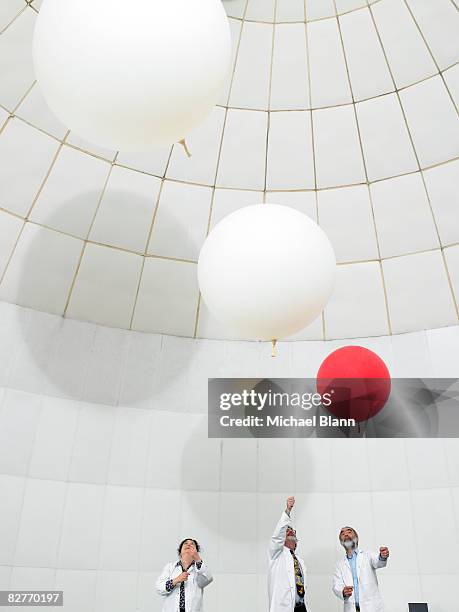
<point x="290" y="504"/>
<point x="384" y="552"/>
<point x="347" y="591"/>
<point x="191" y="554"/>
<point x="183" y="577"/>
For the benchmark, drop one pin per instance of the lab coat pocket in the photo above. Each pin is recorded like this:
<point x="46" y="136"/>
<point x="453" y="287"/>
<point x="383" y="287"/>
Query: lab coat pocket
<point x="286" y="596"/>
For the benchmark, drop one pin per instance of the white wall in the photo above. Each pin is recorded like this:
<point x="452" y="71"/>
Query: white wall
<point x="105" y="465"/>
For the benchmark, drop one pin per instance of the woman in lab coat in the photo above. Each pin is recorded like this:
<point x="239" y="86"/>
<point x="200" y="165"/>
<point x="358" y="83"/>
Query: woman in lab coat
<point x="182" y="582"/>
<point x="286" y="571"/>
<point x="355" y="581"/>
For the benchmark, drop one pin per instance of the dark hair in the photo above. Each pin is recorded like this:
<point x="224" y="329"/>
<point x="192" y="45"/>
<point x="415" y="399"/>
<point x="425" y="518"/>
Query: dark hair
<point x="179" y="549"/>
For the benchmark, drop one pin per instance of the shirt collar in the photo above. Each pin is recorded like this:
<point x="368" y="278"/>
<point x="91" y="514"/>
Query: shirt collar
<point x="179" y="562"/>
<point x="355" y="552"/>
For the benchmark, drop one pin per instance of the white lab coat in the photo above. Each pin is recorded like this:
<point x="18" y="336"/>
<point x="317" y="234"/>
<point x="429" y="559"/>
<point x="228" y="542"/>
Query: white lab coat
<point x="197" y="580"/>
<point x="281" y="572"/>
<point x="370" y="599"/>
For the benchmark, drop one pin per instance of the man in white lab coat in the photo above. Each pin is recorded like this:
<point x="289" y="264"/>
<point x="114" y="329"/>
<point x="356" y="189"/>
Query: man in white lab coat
<point x="355" y="581"/>
<point x="286" y="571"/>
<point x="182" y="582"/>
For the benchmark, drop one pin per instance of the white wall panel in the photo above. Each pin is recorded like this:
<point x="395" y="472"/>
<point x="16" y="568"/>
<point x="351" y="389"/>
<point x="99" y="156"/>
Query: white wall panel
<point x="440" y="591"/>
<point x="237" y="526"/>
<point x="393" y="515"/>
<point x="81" y="527"/>
<point x="237" y="591"/>
<point x="290" y="159"/>
<point x="406" y="52"/>
<point x="91" y="449"/>
<point x="79" y="587"/>
<point x="390" y="473"/>
<point x="368" y="71"/>
<point x="350" y="466"/>
<point x="128" y="457"/>
<point x="19" y="415"/>
<point x="16" y="70"/>
<point x="242" y="157"/>
<point x="115" y="591"/>
<point x="329" y="81"/>
<point x="427" y="470"/>
<point x="28" y="578"/>
<point x="41" y="519"/>
<point x="276" y="466"/>
<point x="26" y="155"/>
<point x="252" y="73"/>
<point x="121" y="528"/>
<point x="160" y="528"/>
<point x="12" y="496"/>
<point x="290" y="82"/>
<point x="239" y="466"/>
<point x="434" y="518"/>
<point x="54" y="438"/>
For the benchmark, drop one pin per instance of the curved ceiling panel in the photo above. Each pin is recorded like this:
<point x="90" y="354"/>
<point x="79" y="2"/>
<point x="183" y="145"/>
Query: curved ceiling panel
<point x="344" y="109"/>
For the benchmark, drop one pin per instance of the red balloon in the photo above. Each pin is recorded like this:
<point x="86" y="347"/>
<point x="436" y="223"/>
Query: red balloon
<point x="358" y="382"/>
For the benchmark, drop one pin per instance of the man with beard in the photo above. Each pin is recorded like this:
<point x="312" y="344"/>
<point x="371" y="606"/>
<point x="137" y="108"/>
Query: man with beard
<point x="355" y="581"/>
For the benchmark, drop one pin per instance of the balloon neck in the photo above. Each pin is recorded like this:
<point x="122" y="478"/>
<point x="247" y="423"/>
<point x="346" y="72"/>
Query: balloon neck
<point x="273" y="348"/>
<point x="184" y="145"/>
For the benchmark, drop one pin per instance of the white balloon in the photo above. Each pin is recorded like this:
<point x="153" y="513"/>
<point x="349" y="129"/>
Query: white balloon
<point x="267" y="271"/>
<point x="131" y="74"/>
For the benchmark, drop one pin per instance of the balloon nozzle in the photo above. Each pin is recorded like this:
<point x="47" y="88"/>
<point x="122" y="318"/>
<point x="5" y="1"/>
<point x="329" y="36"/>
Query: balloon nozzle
<point x="184" y="145"/>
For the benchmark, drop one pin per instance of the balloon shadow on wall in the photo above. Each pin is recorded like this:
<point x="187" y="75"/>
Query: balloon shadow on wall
<point x="65" y="351"/>
<point x="410" y="412"/>
<point x="202" y="484"/>
<point x="212" y="466"/>
<point x="269" y="387"/>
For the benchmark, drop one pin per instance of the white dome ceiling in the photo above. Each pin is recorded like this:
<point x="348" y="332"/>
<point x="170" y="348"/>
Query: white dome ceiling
<point x="349" y="115"/>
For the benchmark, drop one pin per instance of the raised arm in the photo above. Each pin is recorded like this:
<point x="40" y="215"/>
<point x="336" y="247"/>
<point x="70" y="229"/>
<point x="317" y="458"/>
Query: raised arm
<point x="203" y="574"/>
<point x="277" y="541"/>
<point x="379" y="560"/>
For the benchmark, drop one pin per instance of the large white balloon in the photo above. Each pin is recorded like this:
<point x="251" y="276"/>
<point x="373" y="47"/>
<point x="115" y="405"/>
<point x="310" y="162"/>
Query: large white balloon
<point x="267" y="271"/>
<point x="131" y="74"/>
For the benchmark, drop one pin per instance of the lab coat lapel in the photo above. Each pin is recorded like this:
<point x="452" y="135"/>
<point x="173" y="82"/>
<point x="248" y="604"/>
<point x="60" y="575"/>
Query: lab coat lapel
<point x="291" y="567"/>
<point x="346" y="572"/>
<point x="359" y="563"/>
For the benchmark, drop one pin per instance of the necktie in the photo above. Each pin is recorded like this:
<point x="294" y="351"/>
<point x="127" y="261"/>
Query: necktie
<point x="298" y="576"/>
<point x="182" y="594"/>
<point x="182" y="597"/>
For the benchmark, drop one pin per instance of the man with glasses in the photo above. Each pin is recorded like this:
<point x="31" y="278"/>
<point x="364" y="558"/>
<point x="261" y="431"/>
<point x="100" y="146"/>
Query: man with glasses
<point x="286" y="571"/>
<point x="355" y="581"/>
